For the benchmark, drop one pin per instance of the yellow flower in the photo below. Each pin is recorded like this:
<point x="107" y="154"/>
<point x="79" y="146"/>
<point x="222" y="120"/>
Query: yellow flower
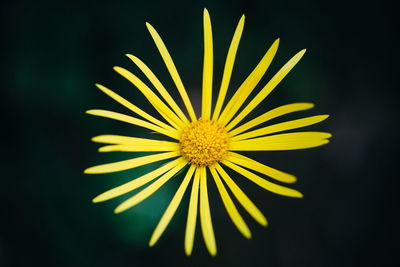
<point x="205" y="146"/>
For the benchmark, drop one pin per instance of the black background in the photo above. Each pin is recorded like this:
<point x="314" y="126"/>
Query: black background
<point x="52" y="54"/>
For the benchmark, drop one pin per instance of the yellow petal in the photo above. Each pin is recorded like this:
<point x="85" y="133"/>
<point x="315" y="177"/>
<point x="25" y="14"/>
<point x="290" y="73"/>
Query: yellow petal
<point x="172" y="207"/>
<point x="130" y="163"/>
<point x="172" y="70"/>
<point x="132" y="120"/>
<point x="159" y="87"/>
<point x="205" y="216"/>
<point x="269" y="115"/>
<point x="230" y="60"/>
<point x="261" y="168"/>
<point x="136" y="183"/>
<point x="133" y="108"/>
<point x="139" y="148"/>
<point x="148" y="191"/>
<point x="207" y="68"/>
<point x="267" y="88"/>
<point x="157" y="103"/>
<point x="277" y="189"/>
<point x="248" y="85"/>
<point x="192" y="214"/>
<point x="247" y="204"/>
<point x="128" y="140"/>
<point x="230" y="206"/>
<point x="280" y="127"/>
<point x="287" y="141"/>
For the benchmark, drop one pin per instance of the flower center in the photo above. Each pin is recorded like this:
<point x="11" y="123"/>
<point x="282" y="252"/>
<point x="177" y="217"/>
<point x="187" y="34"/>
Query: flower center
<point x="204" y="142"/>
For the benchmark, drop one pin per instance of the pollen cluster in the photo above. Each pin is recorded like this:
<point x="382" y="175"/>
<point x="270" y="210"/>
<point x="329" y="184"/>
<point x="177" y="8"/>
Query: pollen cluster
<point x="203" y="142"/>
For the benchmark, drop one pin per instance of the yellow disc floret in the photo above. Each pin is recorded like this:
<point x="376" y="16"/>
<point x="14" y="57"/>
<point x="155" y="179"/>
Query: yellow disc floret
<point x="204" y="142"/>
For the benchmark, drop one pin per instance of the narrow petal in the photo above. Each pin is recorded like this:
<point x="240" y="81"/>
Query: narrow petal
<point x="138" y="148"/>
<point x="230" y="206"/>
<point x="274" y="188"/>
<point x="148" y="191"/>
<point x="130" y="163"/>
<point x="247" y="204"/>
<point x="248" y="85"/>
<point x="154" y="100"/>
<point x="136" y="183"/>
<point x="172" y="207"/>
<point x="205" y="215"/>
<point x="128" y="140"/>
<point x="172" y="70"/>
<point x="278" y="77"/>
<point x="287" y="141"/>
<point x="133" y="108"/>
<point x="280" y="127"/>
<point x="207" y="68"/>
<point x="269" y="115"/>
<point x="132" y="120"/>
<point x="158" y="85"/>
<point x="230" y="60"/>
<point x="192" y="214"/>
<point x="261" y="168"/>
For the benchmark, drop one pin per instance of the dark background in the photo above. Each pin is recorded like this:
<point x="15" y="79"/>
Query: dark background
<point x="52" y="54"/>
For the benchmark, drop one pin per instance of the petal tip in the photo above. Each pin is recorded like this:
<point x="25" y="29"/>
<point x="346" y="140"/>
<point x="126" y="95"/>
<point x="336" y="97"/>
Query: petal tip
<point x="103" y="149"/>
<point x="292" y="179"/>
<point x="97" y="199"/>
<point x="213" y="252"/>
<point x="117" y="68"/>
<point x="103" y="88"/>
<point x="95" y="138"/>
<point x="263" y="221"/>
<point x="151" y="243"/>
<point x="87" y="171"/>
<point x="206" y="16"/>
<point x="188" y="252"/>
<point x="118" y="210"/>
<point x="324" y="117"/>
<point x="149" y="26"/>
<point x="275" y="44"/>
<point x="248" y="235"/>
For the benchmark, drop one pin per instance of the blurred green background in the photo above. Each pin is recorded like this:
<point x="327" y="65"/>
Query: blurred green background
<point x="54" y="51"/>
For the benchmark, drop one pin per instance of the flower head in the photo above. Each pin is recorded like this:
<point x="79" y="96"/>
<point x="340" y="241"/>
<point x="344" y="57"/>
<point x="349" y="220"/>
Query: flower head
<point x="206" y="145"/>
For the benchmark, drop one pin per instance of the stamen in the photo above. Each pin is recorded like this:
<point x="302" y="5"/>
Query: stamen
<point x="204" y="142"/>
